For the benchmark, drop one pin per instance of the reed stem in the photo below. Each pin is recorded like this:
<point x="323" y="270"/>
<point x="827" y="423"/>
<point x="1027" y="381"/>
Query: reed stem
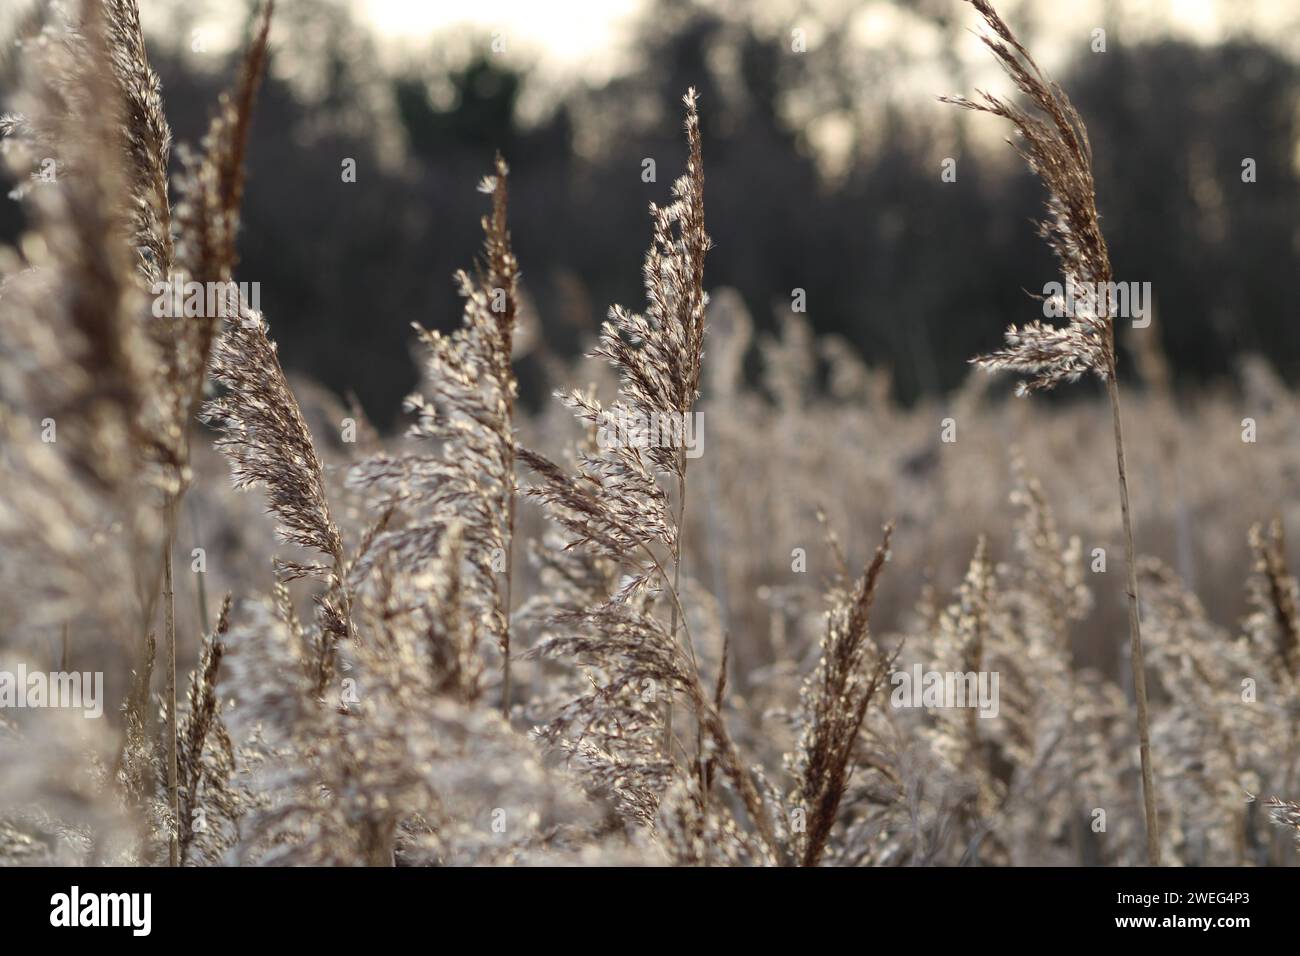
<point x="1134" y="619"/>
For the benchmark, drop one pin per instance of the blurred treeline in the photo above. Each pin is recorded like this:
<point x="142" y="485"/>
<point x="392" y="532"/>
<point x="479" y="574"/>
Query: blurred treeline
<point x="917" y="273"/>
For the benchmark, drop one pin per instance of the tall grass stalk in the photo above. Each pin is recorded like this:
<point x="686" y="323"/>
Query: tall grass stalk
<point x="1054" y="144"/>
<point x="1134" y="621"/>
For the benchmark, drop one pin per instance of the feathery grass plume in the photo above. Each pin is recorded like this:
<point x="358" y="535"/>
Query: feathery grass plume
<point x="209" y="808"/>
<point x="268" y="445"/>
<point x="500" y="275"/>
<point x="211" y="189"/>
<point x="1056" y="149"/>
<point x="834" y="702"/>
<point x="1055" y="146"/>
<point x="659" y="355"/>
<point x="467" y="422"/>
<point x="147" y="135"/>
<point x="615" y="508"/>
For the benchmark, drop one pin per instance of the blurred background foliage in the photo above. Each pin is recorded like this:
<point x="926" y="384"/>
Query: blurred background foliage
<point x="823" y="173"/>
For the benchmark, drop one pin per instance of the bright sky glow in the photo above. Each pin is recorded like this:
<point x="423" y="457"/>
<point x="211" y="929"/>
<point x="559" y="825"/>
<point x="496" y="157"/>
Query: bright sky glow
<point x="570" y="34"/>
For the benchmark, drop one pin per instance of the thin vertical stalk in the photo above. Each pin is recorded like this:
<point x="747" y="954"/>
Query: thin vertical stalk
<point x="1134" y="622"/>
<point x="677" y="571"/>
<point x="169" y="613"/>
<point x="503" y="276"/>
<point x="204" y="622"/>
<point x="505" y="608"/>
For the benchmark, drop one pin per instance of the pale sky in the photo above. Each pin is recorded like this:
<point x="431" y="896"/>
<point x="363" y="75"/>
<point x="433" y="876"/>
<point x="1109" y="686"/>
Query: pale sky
<point x="583" y="38"/>
<point x="566" y="30"/>
<point x="581" y="35"/>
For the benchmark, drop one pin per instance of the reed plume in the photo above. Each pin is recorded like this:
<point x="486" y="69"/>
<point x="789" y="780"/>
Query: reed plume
<point x="268" y="445"/>
<point x="1055" y="146"/>
<point x="467" y="474"/>
<point x="616" y="508"/>
<point x="834" y="703"/>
